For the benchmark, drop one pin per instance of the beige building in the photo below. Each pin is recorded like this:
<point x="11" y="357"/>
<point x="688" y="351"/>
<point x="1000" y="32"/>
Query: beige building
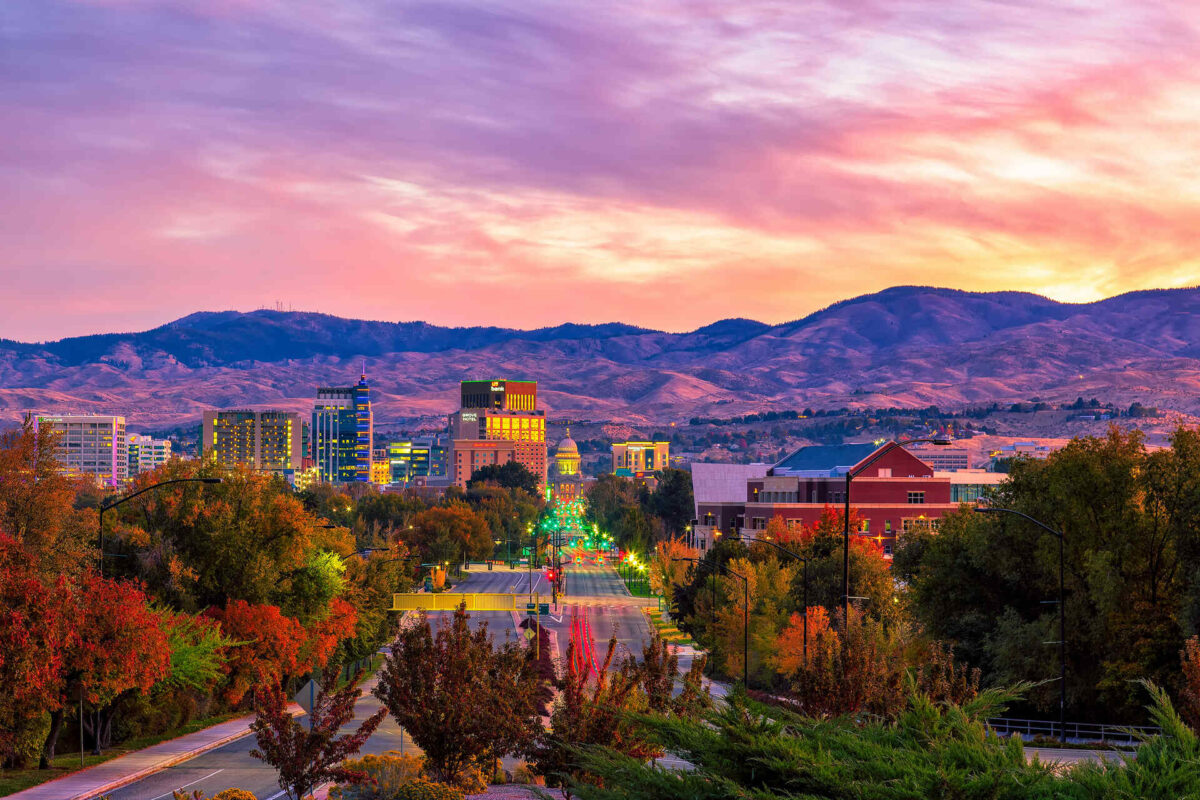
<point x="638" y="459"/>
<point x="90" y="444"/>
<point x="263" y="440"/>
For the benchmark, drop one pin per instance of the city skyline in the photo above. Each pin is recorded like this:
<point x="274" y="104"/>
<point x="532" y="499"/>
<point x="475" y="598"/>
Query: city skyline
<point x="658" y="165"/>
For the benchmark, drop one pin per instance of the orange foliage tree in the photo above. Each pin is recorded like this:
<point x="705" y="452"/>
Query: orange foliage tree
<point x="266" y="647"/>
<point x="665" y="571"/>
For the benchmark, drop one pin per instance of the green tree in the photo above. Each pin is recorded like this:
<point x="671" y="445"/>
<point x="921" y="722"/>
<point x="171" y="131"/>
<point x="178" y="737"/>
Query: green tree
<point x="510" y="475"/>
<point x="672" y="500"/>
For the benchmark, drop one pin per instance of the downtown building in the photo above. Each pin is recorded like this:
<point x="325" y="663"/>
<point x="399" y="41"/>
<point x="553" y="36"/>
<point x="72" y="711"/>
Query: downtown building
<point x="895" y="494"/>
<point x="91" y="445"/>
<point x="268" y="441"/>
<point x="418" y="457"/>
<point x="498" y="421"/>
<point x="640" y="459"/>
<point x="146" y="453"/>
<point x="342" y="433"/>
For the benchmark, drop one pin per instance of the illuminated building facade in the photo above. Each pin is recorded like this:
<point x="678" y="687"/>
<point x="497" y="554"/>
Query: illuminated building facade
<point x="506" y="410"/>
<point x="147" y="453"/>
<point x="90" y="444"/>
<point x="638" y="459"/>
<point x="271" y="441"/>
<point x="566" y="482"/>
<point x="419" y="457"/>
<point x="342" y="433"/>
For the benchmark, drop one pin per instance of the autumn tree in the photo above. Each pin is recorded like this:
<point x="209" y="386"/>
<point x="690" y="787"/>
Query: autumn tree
<point x="450" y="532"/>
<point x="668" y="567"/>
<point x="266" y="647"/>
<point x="1189" y="694"/>
<point x="306" y="756"/>
<point x="118" y="646"/>
<point x="35" y="631"/>
<point x="461" y="699"/>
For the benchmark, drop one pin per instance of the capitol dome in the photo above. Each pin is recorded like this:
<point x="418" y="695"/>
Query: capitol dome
<point x="566" y="455"/>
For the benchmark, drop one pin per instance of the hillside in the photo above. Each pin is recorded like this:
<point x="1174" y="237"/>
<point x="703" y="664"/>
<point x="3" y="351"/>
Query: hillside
<point x="902" y="346"/>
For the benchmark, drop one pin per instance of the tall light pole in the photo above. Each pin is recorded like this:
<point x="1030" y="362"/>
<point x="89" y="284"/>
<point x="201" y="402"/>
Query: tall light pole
<point x="1062" y="616"/>
<point x="100" y="518"/>
<point x="850" y="475"/>
<point x="114" y="503"/>
<point x="745" y="617"/>
<point x="802" y="560"/>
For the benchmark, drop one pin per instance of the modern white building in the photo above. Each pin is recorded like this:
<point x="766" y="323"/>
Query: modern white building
<point x="147" y="453"/>
<point x="90" y="444"/>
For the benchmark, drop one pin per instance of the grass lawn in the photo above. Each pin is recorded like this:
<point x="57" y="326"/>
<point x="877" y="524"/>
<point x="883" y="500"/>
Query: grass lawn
<point x="12" y="781"/>
<point x="667" y="630"/>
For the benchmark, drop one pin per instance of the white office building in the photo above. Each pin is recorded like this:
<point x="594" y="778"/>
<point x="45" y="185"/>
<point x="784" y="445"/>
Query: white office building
<point x="90" y="444"/>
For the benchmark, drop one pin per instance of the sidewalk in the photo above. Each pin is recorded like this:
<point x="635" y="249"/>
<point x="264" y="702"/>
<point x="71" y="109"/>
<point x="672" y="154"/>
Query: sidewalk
<point x="123" y="770"/>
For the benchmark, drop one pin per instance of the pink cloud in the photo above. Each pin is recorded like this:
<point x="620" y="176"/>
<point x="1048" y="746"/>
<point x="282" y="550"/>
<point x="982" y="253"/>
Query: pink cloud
<point x="544" y="162"/>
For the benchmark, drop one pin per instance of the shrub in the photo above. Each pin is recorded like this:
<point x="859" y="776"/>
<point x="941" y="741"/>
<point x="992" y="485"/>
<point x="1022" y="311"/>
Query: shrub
<point x="386" y="774"/>
<point x="235" y="794"/>
<point x="413" y="789"/>
<point x="522" y="773"/>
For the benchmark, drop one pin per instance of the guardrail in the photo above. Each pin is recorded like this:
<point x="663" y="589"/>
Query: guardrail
<point x="1075" y="731"/>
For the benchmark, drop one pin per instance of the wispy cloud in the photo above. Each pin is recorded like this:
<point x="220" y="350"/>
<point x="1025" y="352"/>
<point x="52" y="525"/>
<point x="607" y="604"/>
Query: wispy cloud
<point x="536" y="162"/>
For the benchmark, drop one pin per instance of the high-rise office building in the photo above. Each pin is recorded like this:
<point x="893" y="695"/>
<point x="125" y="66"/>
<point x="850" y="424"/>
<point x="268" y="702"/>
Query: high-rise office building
<point x="90" y="444"/>
<point x="502" y="410"/>
<point x="263" y="440"/>
<point x="147" y="453"/>
<point x="343" y="433"/>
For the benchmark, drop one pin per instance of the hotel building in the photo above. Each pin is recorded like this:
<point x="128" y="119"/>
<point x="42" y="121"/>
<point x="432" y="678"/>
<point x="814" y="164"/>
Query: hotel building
<point x="270" y="440"/>
<point x="499" y="410"/>
<point x="90" y="444"/>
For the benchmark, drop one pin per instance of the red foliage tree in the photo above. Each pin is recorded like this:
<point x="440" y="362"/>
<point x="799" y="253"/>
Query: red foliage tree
<point x="324" y="634"/>
<point x="34" y="635"/>
<point x="307" y="756"/>
<point x="117" y="646"/>
<point x="267" y="646"/>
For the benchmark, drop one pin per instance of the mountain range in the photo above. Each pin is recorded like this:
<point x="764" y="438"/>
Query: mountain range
<point x="904" y="346"/>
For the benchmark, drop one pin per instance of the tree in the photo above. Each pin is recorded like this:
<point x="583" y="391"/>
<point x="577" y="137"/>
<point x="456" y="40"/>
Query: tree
<point x="307" y="756"/>
<point x="672" y="500"/>
<point x="510" y="475"/>
<point x="266" y="650"/>
<point x="666" y="569"/>
<point x="197" y="649"/>
<point x="249" y="538"/>
<point x="1189" y="695"/>
<point x="450" y="532"/>
<point x="456" y="695"/>
<point x="118" y="646"/>
<point x="36" y="508"/>
<point x="35" y="633"/>
<point x="1129" y="520"/>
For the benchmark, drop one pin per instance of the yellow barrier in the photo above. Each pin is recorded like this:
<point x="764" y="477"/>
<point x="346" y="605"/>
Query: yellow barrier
<point x="449" y="601"/>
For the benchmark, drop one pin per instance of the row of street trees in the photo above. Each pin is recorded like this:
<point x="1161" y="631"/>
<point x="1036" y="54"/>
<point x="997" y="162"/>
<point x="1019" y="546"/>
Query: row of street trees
<point x="209" y="591"/>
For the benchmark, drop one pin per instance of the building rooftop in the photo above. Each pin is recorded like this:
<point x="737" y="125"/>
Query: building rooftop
<point x="823" y="460"/>
<point x="723" y="483"/>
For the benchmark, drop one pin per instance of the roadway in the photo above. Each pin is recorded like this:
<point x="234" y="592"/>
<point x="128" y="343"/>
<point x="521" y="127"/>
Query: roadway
<point x="593" y="590"/>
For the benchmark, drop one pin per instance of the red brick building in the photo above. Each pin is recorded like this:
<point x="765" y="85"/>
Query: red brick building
<point x="895" y="493"/>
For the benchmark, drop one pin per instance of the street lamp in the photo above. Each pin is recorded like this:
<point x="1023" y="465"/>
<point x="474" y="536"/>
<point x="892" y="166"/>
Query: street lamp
<point x="804" y="561"/>
<point x="114" y="503"/>
<point x="745" y="617"/>
<point x="850" y="475"/>
<point x="100" y="518"/>
<point x="1062" y="617"/>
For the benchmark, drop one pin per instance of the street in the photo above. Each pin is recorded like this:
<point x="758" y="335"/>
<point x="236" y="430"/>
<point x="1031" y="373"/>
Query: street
<point x="592" y="590"/>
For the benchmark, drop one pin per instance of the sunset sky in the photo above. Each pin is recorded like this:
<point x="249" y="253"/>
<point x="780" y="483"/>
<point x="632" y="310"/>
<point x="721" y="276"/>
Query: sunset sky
<point x="526" y="163"/>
